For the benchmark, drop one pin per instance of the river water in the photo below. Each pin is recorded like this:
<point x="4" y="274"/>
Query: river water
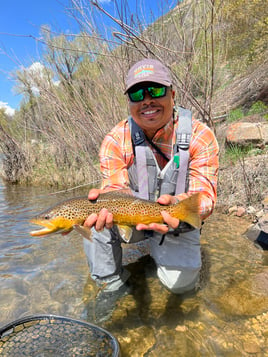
<point x="49" y="275"/>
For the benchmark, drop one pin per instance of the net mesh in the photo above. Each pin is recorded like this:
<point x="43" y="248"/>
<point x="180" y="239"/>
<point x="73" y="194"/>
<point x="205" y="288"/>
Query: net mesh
<point x="55" y="336"/>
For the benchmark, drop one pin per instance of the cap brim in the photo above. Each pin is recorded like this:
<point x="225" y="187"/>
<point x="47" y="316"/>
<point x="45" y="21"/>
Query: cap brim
<point x="164" y="83"/>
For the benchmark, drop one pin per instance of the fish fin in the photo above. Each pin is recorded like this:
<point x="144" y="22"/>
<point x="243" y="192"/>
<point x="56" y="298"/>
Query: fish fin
<point x="84" y="231"/>
<point x="64" y="233"/>
<point x="190" y="210"/>
<point x="125" y="232"/>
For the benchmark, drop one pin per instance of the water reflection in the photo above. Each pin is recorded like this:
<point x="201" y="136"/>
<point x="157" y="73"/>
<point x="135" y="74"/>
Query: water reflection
<point x="227" y="317"/>
<point x="37" y="275"/>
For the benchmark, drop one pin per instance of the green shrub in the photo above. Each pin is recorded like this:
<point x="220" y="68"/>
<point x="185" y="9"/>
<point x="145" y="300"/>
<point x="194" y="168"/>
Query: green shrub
<point x="234" y="153"/>
<point x="235" y="115"/>
<point x="258" y="108"/>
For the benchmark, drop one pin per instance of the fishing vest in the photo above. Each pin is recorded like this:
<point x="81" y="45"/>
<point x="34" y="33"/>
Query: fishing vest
<point x="146" y="179"/>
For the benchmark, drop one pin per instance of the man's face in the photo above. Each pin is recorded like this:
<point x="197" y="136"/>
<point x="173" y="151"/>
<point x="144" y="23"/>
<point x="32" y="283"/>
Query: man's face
<point x="151" y="114"/>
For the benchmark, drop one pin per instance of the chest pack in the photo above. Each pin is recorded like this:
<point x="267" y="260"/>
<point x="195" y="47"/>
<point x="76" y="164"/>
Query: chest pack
<point x="146" y="179"/>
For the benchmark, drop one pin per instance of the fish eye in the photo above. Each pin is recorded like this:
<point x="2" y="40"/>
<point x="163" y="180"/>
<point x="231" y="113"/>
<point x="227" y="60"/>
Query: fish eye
<point x="46" y="216"/>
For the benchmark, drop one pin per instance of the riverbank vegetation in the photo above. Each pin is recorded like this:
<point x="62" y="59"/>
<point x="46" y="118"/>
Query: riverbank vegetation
<point x="216" y="51"/>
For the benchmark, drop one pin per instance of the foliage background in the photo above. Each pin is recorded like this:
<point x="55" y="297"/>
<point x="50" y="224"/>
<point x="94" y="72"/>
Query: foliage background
<point x="216" y="51"/>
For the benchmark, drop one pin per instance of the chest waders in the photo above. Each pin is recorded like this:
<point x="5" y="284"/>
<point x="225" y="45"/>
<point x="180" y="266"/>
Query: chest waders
<point x="147" y="180"/>
<point x="178" y="260"/>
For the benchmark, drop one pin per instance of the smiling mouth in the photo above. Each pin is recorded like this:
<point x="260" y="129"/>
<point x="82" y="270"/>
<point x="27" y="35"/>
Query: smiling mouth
<point x="150" y="112"/>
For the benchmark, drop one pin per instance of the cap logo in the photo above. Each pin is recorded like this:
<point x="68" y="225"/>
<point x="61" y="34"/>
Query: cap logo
<point x="144" y="71"/>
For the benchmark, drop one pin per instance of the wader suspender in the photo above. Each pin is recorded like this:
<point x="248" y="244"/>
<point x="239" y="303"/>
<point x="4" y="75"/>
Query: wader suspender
<point x="139" y="147"/>
<point x="181" y="156"/>
<point x="183" y="142"/>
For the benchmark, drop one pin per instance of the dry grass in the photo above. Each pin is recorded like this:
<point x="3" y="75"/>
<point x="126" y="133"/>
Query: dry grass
<point x="56" y="134"/>
<point x="243" y="182"/>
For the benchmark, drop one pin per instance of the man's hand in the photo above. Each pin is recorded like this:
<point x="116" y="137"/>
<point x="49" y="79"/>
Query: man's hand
<point x="171" y="222"/>
<point x="102" y="220"/>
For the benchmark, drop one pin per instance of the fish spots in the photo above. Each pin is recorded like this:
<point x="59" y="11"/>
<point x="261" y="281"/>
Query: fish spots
<point x="127" y="210"/>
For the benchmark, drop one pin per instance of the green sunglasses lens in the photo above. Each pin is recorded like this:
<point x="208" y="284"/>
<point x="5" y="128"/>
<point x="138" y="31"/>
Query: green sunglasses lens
<point x="155" y="92"/>
<point x="137" y="96"/>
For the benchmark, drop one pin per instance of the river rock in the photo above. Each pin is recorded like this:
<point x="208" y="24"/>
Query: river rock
<point x="246" y="133"/>
<point x="133" y="343"/>
<point x="265" y="204"/>
<point x="263" y="223"/>
<point x="259" y="214"/>
<point x="240" y="211"/>
<point x="259" y="232"/>
<point x="232" y="209"/>
<point x="249" y="297"/>
<point x="252" y="232"/>
<point x="251" y="210"/>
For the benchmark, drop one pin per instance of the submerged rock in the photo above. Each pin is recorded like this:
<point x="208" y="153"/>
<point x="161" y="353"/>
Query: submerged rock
<point x="246" y="298"/>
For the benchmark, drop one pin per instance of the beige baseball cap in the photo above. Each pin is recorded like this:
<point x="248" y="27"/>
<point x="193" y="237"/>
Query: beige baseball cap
<point x="148" y="70"/>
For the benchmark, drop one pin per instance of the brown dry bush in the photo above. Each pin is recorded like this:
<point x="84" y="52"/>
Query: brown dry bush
<point x="75" y="96"/>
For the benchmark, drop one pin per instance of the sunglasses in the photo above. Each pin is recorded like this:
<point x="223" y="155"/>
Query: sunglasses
<point x="155" y="92"/>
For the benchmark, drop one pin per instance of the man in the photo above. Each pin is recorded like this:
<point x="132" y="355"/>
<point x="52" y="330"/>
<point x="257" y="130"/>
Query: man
<point x="125" y="164"/>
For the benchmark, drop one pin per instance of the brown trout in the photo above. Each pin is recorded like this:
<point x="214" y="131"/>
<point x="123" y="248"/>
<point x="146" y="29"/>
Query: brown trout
<point x="127" y="212"/>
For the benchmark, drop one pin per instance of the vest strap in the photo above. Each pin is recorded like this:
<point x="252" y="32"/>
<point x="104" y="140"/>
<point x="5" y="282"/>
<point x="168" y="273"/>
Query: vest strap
<point x="183" y="142"/>
<point x="174" y="178"/>
<point x="142" y="172"/>
<point x="182" y="173"/>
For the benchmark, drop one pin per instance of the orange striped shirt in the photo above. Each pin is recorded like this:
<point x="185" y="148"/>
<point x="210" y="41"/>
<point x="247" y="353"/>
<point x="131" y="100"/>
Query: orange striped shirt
<point x="116" y="156"/>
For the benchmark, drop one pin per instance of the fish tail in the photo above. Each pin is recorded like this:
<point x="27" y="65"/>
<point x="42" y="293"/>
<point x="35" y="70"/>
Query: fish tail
<point x="189" y="210"/>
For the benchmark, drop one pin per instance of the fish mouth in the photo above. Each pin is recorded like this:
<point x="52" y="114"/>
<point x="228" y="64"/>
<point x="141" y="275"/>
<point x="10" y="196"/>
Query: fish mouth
<point x="41" y="232"/>
<point x="49" y="228"/>
<point x="47" y="231"/>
